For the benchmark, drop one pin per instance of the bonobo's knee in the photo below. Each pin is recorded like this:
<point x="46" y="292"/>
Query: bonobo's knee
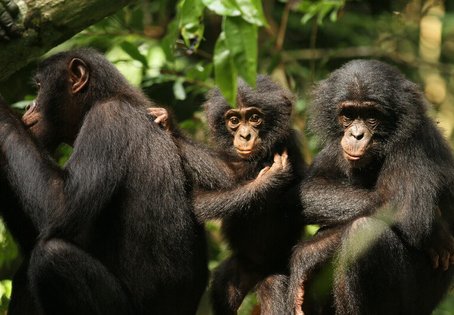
<point x="48" y="255"/>
<point x="363" y="234"/>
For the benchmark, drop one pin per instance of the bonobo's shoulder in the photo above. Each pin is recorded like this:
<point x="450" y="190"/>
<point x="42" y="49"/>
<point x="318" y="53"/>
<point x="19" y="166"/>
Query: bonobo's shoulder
<point x="118" y="118"/>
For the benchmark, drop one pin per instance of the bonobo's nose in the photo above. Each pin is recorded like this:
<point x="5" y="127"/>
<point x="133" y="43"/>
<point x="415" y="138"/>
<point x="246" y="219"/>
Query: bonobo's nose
<point x="357" y="132"/>
<point x="245" y="133"/>
<point x="246" y="136"/>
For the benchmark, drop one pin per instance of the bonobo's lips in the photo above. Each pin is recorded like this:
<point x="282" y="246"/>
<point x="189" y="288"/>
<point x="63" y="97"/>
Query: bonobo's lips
<point x="353" y="157"/>
<point x="243" y="153"/>
<point x="29" y="124"/>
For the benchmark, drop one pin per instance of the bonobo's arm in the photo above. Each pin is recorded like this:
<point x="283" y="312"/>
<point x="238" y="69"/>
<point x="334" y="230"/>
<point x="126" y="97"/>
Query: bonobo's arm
<point x="9" y="12"/>
<point x="211" y="205"/>
<point x="64" y="202"/>
<point x="327" y="199"/>
<point x="417" y="206"/>
<point x="441" y="245"/>
<point x="205" y="166"/>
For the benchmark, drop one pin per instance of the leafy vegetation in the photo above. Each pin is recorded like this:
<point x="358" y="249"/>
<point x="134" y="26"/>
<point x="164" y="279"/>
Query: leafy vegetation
<point x="177" y="50"/>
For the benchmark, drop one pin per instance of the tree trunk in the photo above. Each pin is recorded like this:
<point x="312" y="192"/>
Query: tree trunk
<point x="46" y="23"/>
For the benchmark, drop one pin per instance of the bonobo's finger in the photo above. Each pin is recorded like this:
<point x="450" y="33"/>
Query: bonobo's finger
<point x="285" y="159"/>
<point x="159" y="119"/>
<point x="299" y="299"/>
<point x="277" y="158"/>
<point x="277" y="161"/>
<point x="155" y="111"/>
<point x="263" y="171"/>
<point x="444" y="260"/>
<point x="435" y="259"/>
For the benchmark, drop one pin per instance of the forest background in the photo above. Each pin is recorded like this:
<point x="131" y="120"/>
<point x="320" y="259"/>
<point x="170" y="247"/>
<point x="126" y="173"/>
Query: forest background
<point x="175" y="51"/>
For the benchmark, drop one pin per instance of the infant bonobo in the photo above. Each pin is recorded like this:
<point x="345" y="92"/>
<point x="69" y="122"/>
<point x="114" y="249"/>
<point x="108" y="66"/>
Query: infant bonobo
<point x="250" y="182"/>
<point x="376" y="189"/>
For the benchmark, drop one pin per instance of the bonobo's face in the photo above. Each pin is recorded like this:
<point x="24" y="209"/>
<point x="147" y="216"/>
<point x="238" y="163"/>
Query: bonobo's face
<point x="360" y="120"/>
<point x="245" y="124"/>
<point x="54" y="116"/>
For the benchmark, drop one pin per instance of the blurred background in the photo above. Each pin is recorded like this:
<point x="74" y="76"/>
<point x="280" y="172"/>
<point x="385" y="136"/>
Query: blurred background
<point x="177" y="50"/>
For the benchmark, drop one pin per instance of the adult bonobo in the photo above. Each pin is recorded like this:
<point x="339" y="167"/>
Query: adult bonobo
<point x="382" y="188"/>
<point x="115" y="226"/>
<point x="250" y="183"/>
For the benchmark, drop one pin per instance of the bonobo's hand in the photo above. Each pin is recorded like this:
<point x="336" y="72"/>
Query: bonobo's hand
<point x="161" y="117"/>
<point x="9" y="12"/>
<point x="441" y="248"/>
<point x="280" y="170"/>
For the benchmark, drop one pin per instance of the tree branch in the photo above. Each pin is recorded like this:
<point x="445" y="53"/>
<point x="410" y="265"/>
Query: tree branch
<point x="47" y="23"/>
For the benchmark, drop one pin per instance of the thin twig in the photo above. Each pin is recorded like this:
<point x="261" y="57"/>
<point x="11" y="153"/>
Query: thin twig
<point x="283" y="26"/>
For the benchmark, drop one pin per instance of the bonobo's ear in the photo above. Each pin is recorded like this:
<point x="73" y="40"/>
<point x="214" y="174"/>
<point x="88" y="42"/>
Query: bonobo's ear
<point x="78" y="74"/>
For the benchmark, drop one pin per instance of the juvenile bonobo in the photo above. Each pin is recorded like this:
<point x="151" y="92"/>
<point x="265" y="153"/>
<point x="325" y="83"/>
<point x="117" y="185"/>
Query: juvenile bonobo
<point x="376" y="188"/>
<point x="113" y="231"/>
<point x="240" y="184"/>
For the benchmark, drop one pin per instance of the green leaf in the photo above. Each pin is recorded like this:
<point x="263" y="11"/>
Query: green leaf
<point x="134" y="53"/>
<point x="169" y="40"/>
<point x="252" y="11"/>
<point x="224" y="70"/>
<point x="241" y="39"/>
<point x="191" y="26"/>
<point x="129" y="67"/>
<point x="223" y="7"/>
<point x="200" y="71"/>
<point x="178" y="90"/>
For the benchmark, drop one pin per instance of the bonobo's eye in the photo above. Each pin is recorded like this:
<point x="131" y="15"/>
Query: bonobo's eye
<point x="36" y="83"/>
<point x="346" y="121"/>
<point x="234" y="121"/>
<point x="372" y="122"/>
<point x="255" y="119"/>
<point x="31" y="106"/>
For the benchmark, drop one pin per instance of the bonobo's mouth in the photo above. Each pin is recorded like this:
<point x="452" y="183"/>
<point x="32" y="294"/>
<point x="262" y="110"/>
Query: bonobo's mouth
<point x="352" y="157"/>
<point x="244" y="153"/>
<point x="29" y="124"/>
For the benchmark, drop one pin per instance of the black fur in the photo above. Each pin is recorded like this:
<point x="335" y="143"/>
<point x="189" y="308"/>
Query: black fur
<point x="113" y="232"/>
<point x="260" y="218"/>
<point x="378" y="220"/>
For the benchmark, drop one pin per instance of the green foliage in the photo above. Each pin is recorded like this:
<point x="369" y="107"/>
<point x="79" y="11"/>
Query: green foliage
<point x="5" y="295"/>
<point x="319" y="9"/>
<point x="236" y="47"/>
<point x="176" y="50"/>
<point x="8" y="257"/>
<point x="224" y="69"/>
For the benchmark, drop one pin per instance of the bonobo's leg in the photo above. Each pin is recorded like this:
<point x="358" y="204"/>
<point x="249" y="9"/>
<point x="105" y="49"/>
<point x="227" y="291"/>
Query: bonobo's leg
<point x="67" y="280"/>
<point x="306" y="257"/>
<point x="231" y="283"/>
<point x="373" y="273"/>
<point x="272" y="294"/>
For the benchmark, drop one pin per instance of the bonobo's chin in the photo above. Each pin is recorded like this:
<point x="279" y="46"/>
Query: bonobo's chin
<point x="245" y="154"/>
<point x="357" y="161"/>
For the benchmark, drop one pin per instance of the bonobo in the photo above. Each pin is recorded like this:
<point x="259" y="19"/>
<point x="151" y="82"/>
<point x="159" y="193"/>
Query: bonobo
<point x="376" y="188"/>
<point x="113" y="231"/>
<point x="250" y="183"/>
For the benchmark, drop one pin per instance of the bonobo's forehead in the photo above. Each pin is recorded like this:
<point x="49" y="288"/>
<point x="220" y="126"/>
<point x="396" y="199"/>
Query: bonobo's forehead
<point x="243" y="112"/>
<point x="362" y="109"/>
<point x="358" y="104"/>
